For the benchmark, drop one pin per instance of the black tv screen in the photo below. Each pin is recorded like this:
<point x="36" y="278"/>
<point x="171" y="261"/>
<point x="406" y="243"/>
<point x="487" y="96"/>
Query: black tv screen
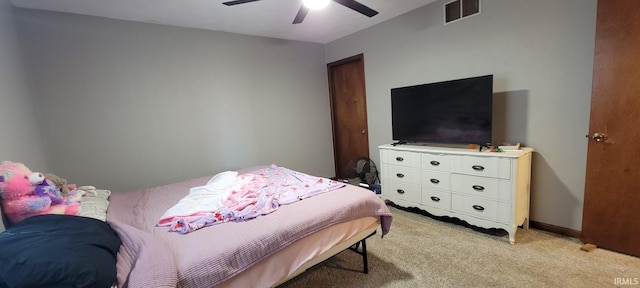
<point x="450" y="112"/>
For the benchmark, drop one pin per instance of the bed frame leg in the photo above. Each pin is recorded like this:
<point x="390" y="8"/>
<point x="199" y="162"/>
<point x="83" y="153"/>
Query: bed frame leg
<point x="365" y="260"/>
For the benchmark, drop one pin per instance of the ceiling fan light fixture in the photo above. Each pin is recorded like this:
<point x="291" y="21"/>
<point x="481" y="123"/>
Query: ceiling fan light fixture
<point x="315" y="4"/>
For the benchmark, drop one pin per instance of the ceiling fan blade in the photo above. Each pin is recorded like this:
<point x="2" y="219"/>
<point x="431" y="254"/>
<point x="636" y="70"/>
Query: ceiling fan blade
<point x="357" y="6"/>
<point x="301" y="14"/>
<point x="236" y="2"/>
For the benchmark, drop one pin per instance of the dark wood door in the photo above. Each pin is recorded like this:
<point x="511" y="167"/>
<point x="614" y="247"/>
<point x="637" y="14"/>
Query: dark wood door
<point x="348" y="111"/>
<point x="611" y="217"/>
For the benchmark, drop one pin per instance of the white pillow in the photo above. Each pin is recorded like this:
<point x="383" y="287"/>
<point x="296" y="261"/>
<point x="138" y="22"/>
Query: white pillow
<point x="94" y="205"/>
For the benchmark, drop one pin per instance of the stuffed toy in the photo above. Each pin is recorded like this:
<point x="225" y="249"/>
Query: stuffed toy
<point x="18" y="194"/>
<point x="45" y="188"/>
<point x="61" y="183"/>
<point x="24" y="193"/>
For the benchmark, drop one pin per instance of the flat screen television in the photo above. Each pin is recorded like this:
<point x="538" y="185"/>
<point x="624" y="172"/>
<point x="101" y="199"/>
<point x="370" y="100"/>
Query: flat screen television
<point x="449" y="112"/>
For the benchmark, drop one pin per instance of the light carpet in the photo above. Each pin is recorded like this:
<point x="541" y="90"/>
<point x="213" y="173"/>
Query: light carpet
<point x="420" y="251"/>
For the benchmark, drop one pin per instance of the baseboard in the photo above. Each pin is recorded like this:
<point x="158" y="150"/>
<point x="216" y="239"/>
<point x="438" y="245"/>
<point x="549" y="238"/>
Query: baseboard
<point x="555" y="229"/>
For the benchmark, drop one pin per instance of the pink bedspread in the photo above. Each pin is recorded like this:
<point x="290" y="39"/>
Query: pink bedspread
<point x="153" y="257"/>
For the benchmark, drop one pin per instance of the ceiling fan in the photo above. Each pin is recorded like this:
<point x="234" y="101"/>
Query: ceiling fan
<point x="351" y="4"/>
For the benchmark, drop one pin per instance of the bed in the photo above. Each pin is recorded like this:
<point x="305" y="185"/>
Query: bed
<point x="261" y="252"/>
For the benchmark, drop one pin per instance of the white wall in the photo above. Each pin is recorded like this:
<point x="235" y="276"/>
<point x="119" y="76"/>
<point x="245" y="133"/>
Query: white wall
<point x="541" y="55"/>
<point x="126" y="105"/>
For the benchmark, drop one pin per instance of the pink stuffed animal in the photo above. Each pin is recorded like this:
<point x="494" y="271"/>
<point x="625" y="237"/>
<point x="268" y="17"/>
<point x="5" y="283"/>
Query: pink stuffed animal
<point x="24" y="193"/>
<point x="17" y="193"/>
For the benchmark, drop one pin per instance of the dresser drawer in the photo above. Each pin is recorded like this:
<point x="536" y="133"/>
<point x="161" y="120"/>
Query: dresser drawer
<point x="436" y="198"/>
<point x="401" y="191"/>
<point x="436" y="179"/>
<point x="402" y="158"/>
<point x="491" y="188"/>
<point x="401" y="173"/>
<point x="481" y="208"/>
<point x="481" y="166"/>
<point x="438" y="162"/>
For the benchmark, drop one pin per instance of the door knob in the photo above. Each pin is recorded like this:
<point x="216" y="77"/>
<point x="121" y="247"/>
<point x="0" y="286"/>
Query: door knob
<point x="364" y="131"/>
<point x="599" y="137"/>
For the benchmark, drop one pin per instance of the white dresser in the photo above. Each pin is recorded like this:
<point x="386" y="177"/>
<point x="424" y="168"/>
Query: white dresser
<point x="485" y="189"/>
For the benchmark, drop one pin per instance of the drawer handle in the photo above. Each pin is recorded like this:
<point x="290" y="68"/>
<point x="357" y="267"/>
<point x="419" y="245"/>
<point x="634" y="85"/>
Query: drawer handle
<point x="400" y="191"/>
<point x="400" y="175"/>
<point x="435" y="199"/>
<point x="399" y="159"/>
<point x="478" y="207"/>
<point x="434" y="181"/>
<point x="477" y="167"/>
<point x="435" y="163"/>
<point x="478" y="188"/>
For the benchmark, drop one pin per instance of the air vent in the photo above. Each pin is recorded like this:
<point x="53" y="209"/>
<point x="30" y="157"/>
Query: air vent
<point x="459" y="9"/>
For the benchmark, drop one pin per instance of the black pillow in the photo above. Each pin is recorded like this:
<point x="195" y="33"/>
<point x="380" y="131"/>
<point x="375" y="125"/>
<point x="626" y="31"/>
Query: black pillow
<point x="58" y="251"/>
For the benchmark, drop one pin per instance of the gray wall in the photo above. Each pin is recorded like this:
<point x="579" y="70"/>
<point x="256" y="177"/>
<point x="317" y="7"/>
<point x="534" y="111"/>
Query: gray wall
<point x="125" y="105"/>
<point x="541" y="56"/>
<point x="20" y="137"/>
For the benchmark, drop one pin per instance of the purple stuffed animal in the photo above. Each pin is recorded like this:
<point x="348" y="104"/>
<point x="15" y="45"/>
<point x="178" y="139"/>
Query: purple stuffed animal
<point x="44" y="188"/>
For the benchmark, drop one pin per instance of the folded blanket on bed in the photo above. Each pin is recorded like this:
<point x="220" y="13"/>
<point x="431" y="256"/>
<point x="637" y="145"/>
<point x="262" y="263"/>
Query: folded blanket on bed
<point x="231" y="197"/>
<point x="202" y="199"/>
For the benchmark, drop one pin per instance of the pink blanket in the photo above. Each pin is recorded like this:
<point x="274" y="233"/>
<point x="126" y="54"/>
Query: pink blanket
<point x="153" y="257"/>
<point x="231" y="197"/>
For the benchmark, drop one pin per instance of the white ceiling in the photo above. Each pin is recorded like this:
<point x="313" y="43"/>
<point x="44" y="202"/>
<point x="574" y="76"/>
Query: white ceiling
<point x="269" y="18"/>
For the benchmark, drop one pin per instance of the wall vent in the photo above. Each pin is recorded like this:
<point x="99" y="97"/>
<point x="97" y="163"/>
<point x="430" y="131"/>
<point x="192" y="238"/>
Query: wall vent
<point x="459" y="9"/>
